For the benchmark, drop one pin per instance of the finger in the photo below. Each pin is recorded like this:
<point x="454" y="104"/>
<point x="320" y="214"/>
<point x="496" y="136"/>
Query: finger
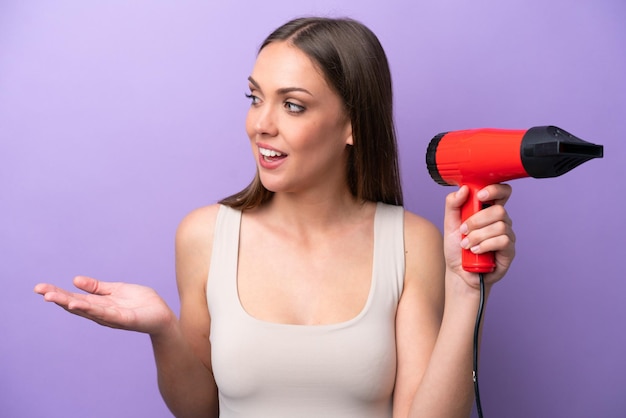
<point x="57" y="295"/>
<point x="452" y="213"/>
<point x="62" y="297"/>
<point x="90" y="311"/>
<point x="86" y="309"/>
<point x="43" y="288"/>
<point x="488" y="216"/>
<point x="109" y="316"/>
<point x="504" y="250"/>
<point x="497" y="193"/>
<point x="495" y="237"/>
<point x="93" y="286"/>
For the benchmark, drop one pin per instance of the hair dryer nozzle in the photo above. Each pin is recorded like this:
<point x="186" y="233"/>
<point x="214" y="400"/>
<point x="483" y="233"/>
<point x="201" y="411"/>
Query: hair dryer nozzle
<point x="548" y="151"/>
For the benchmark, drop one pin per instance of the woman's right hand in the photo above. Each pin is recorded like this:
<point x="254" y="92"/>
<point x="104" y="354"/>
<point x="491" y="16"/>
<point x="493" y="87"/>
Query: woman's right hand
<point x="116" y="305"/>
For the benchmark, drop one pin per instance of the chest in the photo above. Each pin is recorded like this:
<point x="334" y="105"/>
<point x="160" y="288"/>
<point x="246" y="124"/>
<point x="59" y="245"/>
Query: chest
<point x="293" y="280"/>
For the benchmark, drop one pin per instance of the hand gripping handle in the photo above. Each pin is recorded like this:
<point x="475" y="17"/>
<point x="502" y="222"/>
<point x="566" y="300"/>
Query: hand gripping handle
<point x="476" y="263"/>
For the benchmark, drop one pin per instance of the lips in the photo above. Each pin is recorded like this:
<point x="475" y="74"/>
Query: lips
<point x="270" y="153"/>
<point x="270" y="157"/>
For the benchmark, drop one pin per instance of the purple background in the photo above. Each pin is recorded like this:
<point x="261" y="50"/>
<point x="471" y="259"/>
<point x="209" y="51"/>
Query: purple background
<point x="117" y="118"/>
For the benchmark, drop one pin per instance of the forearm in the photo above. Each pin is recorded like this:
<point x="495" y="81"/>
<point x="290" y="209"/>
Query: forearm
<point x="185" y="383"/>
<point x="446" y="389"/>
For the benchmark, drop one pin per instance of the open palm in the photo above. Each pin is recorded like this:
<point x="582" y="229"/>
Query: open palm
<point x="116" y="305"/>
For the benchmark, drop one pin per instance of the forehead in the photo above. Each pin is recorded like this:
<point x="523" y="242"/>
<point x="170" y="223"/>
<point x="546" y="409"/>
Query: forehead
<point x="282" y="64"/>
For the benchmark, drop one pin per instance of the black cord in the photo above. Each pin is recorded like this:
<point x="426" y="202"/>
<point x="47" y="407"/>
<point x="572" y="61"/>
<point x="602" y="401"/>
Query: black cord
<point x="479" y="317"/>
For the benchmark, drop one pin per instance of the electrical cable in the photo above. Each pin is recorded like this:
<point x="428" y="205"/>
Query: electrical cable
<point x="479" y="316"/>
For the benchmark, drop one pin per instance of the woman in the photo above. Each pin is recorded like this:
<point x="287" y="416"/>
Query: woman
<point x="324" y="296"/>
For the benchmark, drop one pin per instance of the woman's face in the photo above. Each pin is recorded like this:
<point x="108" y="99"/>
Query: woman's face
<point x="297" y="124"/>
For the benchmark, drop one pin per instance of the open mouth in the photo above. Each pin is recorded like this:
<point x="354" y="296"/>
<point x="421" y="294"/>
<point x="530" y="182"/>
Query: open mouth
<point x="270" y="154"/>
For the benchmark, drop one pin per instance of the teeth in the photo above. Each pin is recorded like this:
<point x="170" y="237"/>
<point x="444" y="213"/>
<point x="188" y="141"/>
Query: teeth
<point x="270" y="153"/>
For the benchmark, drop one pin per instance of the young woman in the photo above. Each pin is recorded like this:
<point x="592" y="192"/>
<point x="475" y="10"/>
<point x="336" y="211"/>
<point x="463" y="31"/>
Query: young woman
<point x="313" y="293"/>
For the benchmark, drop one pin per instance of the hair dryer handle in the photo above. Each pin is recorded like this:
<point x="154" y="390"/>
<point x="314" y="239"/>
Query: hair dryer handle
<point x="476" y="263"/>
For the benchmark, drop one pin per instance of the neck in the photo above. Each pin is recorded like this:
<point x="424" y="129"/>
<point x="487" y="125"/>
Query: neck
<point x="311" y="213"/>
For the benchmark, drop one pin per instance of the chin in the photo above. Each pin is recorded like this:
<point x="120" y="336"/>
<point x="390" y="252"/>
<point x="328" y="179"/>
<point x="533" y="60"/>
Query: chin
<point x="271" y="184"/>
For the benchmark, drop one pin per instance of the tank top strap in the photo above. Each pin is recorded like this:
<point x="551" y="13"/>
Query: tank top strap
<point x="389" y="263"/>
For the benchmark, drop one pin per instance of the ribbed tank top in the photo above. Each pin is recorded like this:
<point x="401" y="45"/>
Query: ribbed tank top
<point x="272" y="370"/>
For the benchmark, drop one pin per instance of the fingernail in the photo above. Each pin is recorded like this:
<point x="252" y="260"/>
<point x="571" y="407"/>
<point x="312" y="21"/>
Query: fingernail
<point x="463" y="229"/>
<point x="475" y="249"/>
<point x="465" y="243"/>
<point x="482" y="194"/>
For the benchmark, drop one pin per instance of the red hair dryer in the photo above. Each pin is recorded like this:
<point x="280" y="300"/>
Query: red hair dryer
<point x="480" y="157"/>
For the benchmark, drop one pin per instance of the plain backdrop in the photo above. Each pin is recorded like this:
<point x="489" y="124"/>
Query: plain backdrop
<point x="119" y="117"/>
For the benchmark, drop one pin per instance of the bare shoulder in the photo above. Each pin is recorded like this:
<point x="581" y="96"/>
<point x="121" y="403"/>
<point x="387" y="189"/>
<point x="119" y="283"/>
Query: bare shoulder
<point x="194" y="239"/>
<point x="421" y="236"/>
<point x="195" y="225"/>
<point x="423" y="253"/>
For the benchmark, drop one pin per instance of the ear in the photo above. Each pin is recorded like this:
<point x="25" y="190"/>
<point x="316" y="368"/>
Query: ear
<point x="348" y="134"/>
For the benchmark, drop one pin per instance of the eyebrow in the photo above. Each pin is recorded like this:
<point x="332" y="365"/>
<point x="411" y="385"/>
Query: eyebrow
<point x="283" y="90"/>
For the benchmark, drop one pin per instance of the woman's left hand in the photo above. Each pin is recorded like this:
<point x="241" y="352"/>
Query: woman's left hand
<point x="487" y="230"/>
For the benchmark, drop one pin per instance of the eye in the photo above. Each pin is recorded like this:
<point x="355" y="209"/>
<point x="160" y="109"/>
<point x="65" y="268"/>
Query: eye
<point x="294" y="108"/>
<point x="254" y="99"/>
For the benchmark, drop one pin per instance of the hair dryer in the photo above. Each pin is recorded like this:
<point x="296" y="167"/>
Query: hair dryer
<point x="480" y="157"/>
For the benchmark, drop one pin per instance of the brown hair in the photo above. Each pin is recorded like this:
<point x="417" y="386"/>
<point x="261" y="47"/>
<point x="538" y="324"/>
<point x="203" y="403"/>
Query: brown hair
<point x="355" y="66"/>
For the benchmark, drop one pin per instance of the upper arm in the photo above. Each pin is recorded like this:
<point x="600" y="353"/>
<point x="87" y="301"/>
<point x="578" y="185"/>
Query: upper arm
<point x="420" y="309"/>
<point x="194" y="239"/>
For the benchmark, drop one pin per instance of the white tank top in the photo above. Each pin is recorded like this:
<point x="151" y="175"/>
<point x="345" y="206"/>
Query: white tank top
<point x="272" y="370"/>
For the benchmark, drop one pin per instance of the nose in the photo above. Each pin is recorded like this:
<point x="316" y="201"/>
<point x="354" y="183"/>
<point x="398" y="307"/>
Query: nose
<point x="263" y="120"/>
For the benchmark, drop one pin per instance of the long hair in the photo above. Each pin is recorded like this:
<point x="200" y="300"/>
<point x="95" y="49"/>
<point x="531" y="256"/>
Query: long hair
<point x="354" y="64"/>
